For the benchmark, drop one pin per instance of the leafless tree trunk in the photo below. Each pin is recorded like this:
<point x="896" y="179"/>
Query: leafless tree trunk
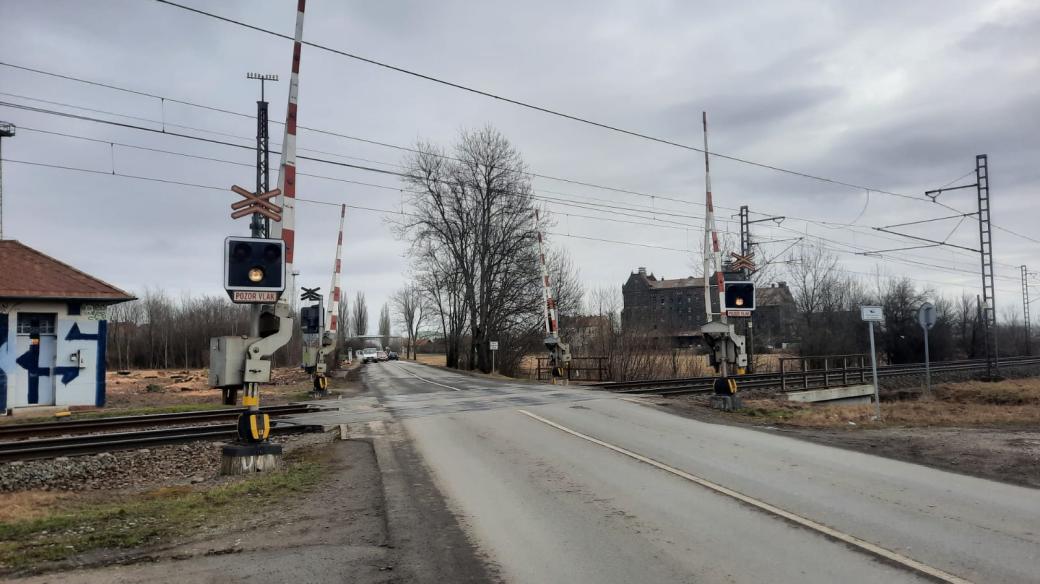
<point x="384" y="325"/>
<point x="408" y="303"/>
<point x="360" y="312"/>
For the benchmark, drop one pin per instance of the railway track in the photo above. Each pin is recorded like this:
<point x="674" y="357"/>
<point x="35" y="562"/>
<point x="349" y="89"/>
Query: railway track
<point x="799" y="380"/>
<point x="15" y="431"/>
<point x="94" y="436"/>
<point x="96" y="443"/>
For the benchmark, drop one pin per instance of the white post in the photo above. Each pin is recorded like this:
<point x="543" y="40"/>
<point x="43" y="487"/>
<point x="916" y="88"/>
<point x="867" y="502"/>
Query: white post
<point x="927" y="365"/>
<point x="873" y="368"/>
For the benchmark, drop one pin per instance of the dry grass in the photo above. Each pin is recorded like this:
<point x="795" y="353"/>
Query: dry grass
<point x="26" y="505"/>
<point x="1013" y="402"/>
<point x="436" y="359"/>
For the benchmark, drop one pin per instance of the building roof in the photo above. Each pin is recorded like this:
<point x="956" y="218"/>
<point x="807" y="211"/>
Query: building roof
<point x="27" y="273"/>
<point x="773" y="295"/>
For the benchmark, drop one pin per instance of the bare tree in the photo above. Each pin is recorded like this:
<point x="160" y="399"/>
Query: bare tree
<point x="360" y="313"/>
<point x="384" y="324"/>
<point x="477" y="209"/>
<point x="408" y="303"/>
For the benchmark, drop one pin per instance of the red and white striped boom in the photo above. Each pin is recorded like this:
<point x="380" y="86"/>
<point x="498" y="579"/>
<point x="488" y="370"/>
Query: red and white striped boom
<point x="549" y="305"/>
<point x="286" y="228"/>
<point x="712" y="258"/>
<point x="333" y="313"/>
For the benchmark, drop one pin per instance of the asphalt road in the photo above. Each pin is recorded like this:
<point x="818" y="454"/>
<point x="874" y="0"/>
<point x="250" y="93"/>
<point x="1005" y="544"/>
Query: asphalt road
<point x="566" y="485"/>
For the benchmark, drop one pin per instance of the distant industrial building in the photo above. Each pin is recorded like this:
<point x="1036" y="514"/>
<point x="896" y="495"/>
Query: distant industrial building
<point x="674" y="309"/>
<point x="52" y="331"/>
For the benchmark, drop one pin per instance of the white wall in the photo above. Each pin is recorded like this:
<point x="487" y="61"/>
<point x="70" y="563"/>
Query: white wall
<point x="83" y="389"/>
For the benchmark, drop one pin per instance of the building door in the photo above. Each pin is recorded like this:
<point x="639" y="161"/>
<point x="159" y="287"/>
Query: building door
<point x="37" y="350"/>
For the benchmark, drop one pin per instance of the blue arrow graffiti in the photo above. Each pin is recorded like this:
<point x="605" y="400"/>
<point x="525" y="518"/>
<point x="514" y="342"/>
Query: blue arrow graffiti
<point x="75" y="335"/>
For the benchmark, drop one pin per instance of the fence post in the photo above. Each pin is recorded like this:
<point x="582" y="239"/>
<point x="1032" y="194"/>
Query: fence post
<point x="826" y="372"/>
<point x="783" y="378"/>
<point x="844" y="370"/>
<point x="805" y="374"/>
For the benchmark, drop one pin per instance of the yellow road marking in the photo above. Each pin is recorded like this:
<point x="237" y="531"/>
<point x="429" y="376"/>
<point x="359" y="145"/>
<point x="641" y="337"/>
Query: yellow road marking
<point x="809" y="523"/>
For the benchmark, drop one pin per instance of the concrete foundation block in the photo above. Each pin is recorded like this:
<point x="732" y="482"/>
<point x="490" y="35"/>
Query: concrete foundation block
<point x="239" y="459"/>
<point x="854" y="394"/>
<point x="726" y="403"/>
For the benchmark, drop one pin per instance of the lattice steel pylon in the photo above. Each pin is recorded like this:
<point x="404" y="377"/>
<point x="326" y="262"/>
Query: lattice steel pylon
<point x="1025" y="310"/>
<point x="989" y="312"/>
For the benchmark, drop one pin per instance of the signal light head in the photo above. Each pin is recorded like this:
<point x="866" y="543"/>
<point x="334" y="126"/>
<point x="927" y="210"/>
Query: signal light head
<point x="256" y="274"/>
<point x="739" y="302"/>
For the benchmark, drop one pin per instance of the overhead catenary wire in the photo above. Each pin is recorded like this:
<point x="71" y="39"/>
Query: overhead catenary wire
<point x="164" y="99"/>
<point x="243" y="146"/>
<point x="240" y="146"/>
<point x="121" y="174"/>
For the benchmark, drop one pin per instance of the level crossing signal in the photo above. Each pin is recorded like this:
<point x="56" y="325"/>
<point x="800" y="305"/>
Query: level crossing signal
<point x="739" y="296"/>
<point x="254" y="269"/>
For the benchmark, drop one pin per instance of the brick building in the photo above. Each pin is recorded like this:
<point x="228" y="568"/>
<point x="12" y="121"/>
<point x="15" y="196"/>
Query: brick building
<point x="675" y="309"/>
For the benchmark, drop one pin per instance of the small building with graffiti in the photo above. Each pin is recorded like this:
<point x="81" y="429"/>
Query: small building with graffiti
<point x="52" y="331"/>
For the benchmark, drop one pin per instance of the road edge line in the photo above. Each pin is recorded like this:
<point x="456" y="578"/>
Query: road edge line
<point x="864" y="545"/>
<point x="427" y="380"/>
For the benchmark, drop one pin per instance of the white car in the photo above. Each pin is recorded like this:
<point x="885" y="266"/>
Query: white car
<point x="369" y="355"/>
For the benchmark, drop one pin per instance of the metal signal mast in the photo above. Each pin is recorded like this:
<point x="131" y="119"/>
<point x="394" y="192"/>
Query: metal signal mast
<point x="559" y="352"/>
<point x="263" y="269"/>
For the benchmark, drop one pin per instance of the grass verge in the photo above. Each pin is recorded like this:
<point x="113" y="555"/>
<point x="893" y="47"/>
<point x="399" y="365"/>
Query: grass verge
<point x="1012" y="402"/>
<point x="148" y="519"/>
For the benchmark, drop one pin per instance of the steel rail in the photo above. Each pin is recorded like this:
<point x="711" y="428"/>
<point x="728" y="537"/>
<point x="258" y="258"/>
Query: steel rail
<point x="9" y="431"/>
<point x="97" y="443"/>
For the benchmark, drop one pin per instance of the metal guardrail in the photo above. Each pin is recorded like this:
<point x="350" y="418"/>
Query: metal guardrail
<point x="800" y="380"/>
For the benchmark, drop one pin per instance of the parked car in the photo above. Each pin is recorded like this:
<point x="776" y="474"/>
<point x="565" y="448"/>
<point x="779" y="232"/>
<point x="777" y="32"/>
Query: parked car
<point x="391" y="356"/>
<point x="369" y="355"/>
<point x="381" y="355"/>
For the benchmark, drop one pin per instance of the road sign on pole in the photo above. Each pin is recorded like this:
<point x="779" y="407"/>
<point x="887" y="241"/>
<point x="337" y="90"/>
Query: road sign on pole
<point x="870" y="315"/>
<point x="926" y="317"/>
<point x="493" y="345"/>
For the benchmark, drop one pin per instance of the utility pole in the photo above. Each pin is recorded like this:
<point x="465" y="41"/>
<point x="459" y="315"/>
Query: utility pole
<point x="747" y="254"/>
<point x="1025" y="310"/>
<point x="7" y="130"/>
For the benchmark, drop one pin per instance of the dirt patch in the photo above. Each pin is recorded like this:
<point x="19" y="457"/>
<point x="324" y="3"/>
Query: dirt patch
<point x="152" y="388"/>
<point x="989" y="430"/>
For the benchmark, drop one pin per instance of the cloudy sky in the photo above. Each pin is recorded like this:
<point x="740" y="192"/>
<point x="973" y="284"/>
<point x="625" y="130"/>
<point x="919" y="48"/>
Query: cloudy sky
<point x="891" y="96"/>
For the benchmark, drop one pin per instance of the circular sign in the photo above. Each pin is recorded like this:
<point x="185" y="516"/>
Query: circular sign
<point x="926" y="316"/>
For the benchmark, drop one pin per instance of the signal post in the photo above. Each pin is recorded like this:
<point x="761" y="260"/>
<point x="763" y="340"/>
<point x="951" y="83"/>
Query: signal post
<point x="728" y="350"/>
<point x="257" y="271"/>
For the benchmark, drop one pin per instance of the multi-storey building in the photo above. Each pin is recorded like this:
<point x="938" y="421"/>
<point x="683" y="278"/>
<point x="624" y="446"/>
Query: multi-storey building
<point x="674" y="309"/>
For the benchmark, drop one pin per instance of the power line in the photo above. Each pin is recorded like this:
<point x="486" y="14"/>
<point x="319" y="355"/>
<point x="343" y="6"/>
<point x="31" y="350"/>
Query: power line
<point x="373" y="142"/>
<point x="303" y="200"/>
<point x="120" y="174"/>
<point x="359" y="167"/>
<point x="164" y="99"/>
<point x="534" y="107"/>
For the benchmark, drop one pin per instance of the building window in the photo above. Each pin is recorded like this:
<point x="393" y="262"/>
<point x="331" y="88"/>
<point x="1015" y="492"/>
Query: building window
<point x="30" y="323"/>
